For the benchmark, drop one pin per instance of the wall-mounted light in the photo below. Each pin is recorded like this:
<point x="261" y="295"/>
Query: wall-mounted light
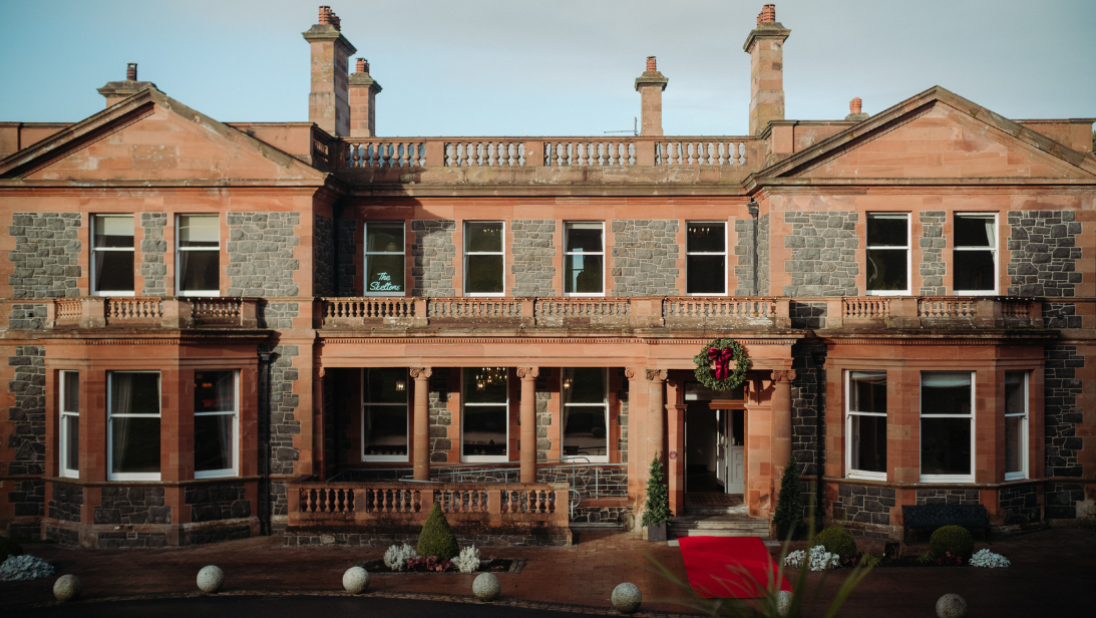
<point x="401" y="386"/>
<point x="753" y="207"/>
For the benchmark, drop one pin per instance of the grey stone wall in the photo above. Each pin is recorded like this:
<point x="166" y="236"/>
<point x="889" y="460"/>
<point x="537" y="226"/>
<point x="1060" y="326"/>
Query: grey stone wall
<point x="645" y="257"/>
<point x="545" y="432"/>
<point x="433" y="257"/>
<point x="63" y="536"/>
<point x="1020" y="504"/>
<point x="131" y="540"/>
<point x="823" y="253"/>
<point x="963" y="497"/>
<point x="28" y="415"/>
<point x="323" y="256"/>
<point x="603" y="514"/>
<point x="46" y="258"/>
<point x="27" y="317"/>
<point x="66" y="501"/>
<point x="807" y="315"/>
<point x="1061" y="315"/>
<point x="153" y="248"/>
<point x="864" y="504"/>
<point x="277" y="315"/>
<point x="283" y="408"/>
<point x="1044" y="253"/>
<point x="260" y="253"/>
<point x="279" y="500"/>
<point x="440" y="416"/>
<point x="807" y="399"/>
<point x="305" y="538"/>
<point x="132" y="505"/>
<point x="531" y="257"/>
<point x="347" y="275"/>
<point x="1060" y="413"/>
<point x="763" y="262"/>
<point x="215" y="534"/>
<point x="622" y="416"/>
<point x="932" y="242"/>
<point x="1062" y="499"/>
<point x="611" y="480"/>
<point x="28" y="498"/>
<point x="743" y="250"/>
<point x="216" y="501"/>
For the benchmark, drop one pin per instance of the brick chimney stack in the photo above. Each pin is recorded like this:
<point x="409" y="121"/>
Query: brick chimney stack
<point x="329" y="101"/>
<point x="854" y="111"/>
<point x="117" y="91"/>
<point x="363" y="101"/>
<point x="765" y="45"/>
<point x="650" y="86"/>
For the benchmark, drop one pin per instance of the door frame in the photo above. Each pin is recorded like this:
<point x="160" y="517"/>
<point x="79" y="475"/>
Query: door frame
<point x="731" y="406"/>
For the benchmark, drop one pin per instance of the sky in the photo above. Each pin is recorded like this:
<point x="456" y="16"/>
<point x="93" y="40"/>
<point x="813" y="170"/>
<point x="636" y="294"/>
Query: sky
<point x="553" y="67"/>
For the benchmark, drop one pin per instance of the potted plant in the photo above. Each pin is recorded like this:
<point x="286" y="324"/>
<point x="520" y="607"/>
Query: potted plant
<point x="789" y="506"/>
<point x="656" y="511"/>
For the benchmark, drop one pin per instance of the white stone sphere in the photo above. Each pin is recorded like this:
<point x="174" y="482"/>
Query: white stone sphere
<point x="951" y="606"/>
<point x="783" y="602"/>
<point x="626" y="598"/>
<point x="211" y="579"/>
<point x="486" y="587"/>
<point x="356" y="580"/>
<point x="66" y="588"/>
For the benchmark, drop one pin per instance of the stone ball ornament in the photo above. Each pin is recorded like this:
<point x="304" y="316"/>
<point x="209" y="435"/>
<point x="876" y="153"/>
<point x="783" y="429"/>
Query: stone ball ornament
<point x="67" y="588"/>
<point x="951" y="606"/>
<point x="211" y="579"/>
<point x="627" y="598"/>
<point x="486" y="587"/>
<point x="356" y="580"/>
<point x="784" y="602"/>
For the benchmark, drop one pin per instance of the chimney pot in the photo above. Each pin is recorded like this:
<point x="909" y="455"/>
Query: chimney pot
<point x="131" y="71"/>
<point x="767" y="15"/>
<point x="855" y="105"/>
<point x="325" y="14"/>
<point x="652" y="66"/>
<point x="363" y="66"/>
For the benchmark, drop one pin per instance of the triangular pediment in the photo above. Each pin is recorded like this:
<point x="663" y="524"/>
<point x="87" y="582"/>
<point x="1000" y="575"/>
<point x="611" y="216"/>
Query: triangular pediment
<point x="152" y="138"/>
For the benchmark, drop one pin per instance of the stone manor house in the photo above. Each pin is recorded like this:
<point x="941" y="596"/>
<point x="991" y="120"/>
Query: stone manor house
<point x="216" y="330"/>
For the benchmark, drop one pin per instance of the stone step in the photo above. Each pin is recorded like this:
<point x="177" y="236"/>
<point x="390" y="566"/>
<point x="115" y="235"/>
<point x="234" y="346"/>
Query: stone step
<point x="762" y="534"/>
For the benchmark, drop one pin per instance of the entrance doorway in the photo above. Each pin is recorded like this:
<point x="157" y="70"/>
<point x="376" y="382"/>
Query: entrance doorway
<point x="715" y="438"/>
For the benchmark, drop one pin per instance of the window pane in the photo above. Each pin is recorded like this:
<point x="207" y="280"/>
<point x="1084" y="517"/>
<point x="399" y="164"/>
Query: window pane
<point x="945" y="393"/>
<point x="974" y="271"/>
<point x="584" y="385"/>
<point x="1014" y="443"/>
<point x="974" y="231"/>
<point x="386" y="430"/>
<point x="706" y="238"/>
<point x="200" y="270"/>
<point x="214" y="391"/>
<point x="71" y="386"/>
<point x="199" y="231"/>
<point x="388" y="385"/>
<point x="945" y="446"/>
<point x="485" y="385"/>
<point x="113" y="271"/>
<point x="484" y="274"/>
<point x="384" y="273"/>
<point x="888" y="231"/>
<point x="113" y="232"/>
<point x="135" y="444"/>
<point x="72" y="448"/>
<point x="584" y="431"/>
<point x="867" y="391"/>
<point x="484" y="430"/>
<point x="585" y="274"/>
<point x="483" y="236"/>
<point x="584" y="237"/>
<point x="384" y="237"/>
<point x="887" y="270"/>
<point x="1015" y="402"/>
<point x="213" y="442"/>
<point x="707" y="274"/>
<point x="135" y="393"/>
<point x="869" y="443"/>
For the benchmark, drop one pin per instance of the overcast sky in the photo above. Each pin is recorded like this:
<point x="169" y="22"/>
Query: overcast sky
<point x="553" y="67"/>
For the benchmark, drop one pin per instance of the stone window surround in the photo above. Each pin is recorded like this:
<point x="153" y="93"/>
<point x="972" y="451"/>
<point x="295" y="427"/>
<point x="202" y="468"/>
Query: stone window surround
<point x="222" y="225"/>
<point x="366" y="254"/>
<point x="604" y="260"/>
<point x="908" y="248"/>
<point x="130" y="476"/>
<point x="511" y="403"/>
<point x="1024" y="431"/>
<point x="63" y="467"/>
<point x="563" y="411"/>
<point x="849" y="414"/>
<point x="464" y="253"/>
<point x="956" y="249"/>
<point x="410" y="385"/>
<point x="235" y="470"/>
<point x="726" y="255"/>
<point x="96" y="251"/>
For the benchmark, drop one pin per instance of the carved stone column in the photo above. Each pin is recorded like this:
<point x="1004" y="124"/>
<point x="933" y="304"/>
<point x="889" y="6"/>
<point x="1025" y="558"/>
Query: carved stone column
<point x="656" y="412"/>
<point x="528" y="417"/>
<point x="782" y="422"/>
<point x="422" y="422"/>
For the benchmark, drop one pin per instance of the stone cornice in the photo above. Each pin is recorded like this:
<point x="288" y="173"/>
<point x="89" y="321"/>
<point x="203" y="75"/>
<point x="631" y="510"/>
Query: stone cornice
<point x="769" y="30"/>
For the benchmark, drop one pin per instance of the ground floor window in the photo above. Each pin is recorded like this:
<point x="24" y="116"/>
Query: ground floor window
<point x="215" y="416"/>
<point x="1016" y="425"/>
<point x="70" y="424"/>
<point x="384" y="414"/>
<point x="133" y="404"/>
<point x="586" y="413"/>
<point x="947" y="426"/>
<point x="485" y="418"/>
<point x="866" y="424"/>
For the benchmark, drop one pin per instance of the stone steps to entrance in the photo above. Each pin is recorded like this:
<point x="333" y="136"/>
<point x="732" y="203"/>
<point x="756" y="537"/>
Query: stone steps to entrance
<point x="725" y="524"/>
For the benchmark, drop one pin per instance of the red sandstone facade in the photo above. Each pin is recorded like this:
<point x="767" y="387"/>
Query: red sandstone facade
<point x="307" y="318"/>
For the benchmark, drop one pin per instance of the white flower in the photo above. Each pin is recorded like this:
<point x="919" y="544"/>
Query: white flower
<point x="794" y="559"/>
<point x="397" y="556"/>
<point x="819" y="559"/>
<point x="468" y="560"/>
<point x="20" y="568"/>
<point x="987" y="559"/>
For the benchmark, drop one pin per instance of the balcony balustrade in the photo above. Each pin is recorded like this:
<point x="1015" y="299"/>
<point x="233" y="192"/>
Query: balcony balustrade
<point x="152" y="312"/>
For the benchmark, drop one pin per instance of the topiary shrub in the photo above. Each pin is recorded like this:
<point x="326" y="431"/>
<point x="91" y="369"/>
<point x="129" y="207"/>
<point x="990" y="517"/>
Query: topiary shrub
<point x="437" y="538"/>
<point x="9" y="547"/>
<point x="789" y="505"/>
<point x="837" y="541"/>
<point x="656" y="510"/>
<point x="954" y="539"/>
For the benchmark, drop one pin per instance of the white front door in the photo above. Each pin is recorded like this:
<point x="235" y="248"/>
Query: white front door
<point x="722" y="439"/>
<point x="736" y="470"/>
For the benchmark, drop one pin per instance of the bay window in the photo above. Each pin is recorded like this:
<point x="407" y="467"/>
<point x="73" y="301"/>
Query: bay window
<point x="384" y="258"/>
<point x="70" y="424"/>
<point x="1016" y="425"/>
<point x="133" y="425"/>
<point x="586" y="413"/>
<point x="866" y="424"/>
<point x="888" y="251"/>
<point x="706" y="258"/>
<point x="947" y="426"/>
<point x="384" y="414"/>
<point x="485" y="417"/>
<point x="198" y="255"/>
<point x="974" y="257"/>
<point x="216" y="405"/>
<point x="584" y="259"/>
<point x="484" y="263"/>
<point x="112" y="255"/>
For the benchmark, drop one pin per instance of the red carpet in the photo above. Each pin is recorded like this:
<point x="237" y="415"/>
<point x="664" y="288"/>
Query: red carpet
<point x="728" y="567"/>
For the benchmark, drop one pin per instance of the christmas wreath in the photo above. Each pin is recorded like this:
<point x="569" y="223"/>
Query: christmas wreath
<point x="718" y="355"/>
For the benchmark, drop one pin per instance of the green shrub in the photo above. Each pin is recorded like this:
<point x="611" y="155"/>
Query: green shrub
<point x="437" y="538"/>
<point x="9" y="547"/>
<point x="656" y="510"/>
<point x="954" y="539"/>
<point x="837" y="541"/>
<point x="869" y="560"/>
<point x="925" y="558"/>
<point x="789" y="506"/>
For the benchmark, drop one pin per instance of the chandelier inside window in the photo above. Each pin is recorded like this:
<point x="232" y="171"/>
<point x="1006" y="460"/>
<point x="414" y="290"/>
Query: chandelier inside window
<point x="490" y="376"/>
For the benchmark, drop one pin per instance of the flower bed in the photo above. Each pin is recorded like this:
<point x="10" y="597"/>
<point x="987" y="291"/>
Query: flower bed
<point x="497" y="565"/>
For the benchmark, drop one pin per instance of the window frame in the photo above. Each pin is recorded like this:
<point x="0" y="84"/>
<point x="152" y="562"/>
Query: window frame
<point x="563" y="418"/>
<point x="725" y="254"/>
<point x="366" y="253"/>
<point x="235" y="469"/>
<point x="63" y="468"/>
<point x="95" y="251"/>
<point x="995" y="249"/>
<point x="179" y="249"/>
<point x="947" y="478"/>
<point x="132" y="476"/>
<point x="1024" y="430"/>
<point x="464" y="404"/>
<point x="604" y="262"/>
<point x="466" y="253"/>
<point x="908" y="249"/>
<point x="850" y="472"/>
<point x="407" y="417"/>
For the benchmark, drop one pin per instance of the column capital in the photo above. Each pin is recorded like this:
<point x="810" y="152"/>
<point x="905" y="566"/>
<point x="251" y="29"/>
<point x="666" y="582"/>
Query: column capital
<point x="783" y="375"/>
<point x="630" y="372"/>
<point x="528" y="373"/>
<point x="421" y="373"/>
<point x="657" y="375"/>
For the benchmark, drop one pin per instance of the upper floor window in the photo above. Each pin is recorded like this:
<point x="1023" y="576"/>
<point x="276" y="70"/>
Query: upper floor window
<point x="584" y="259"/>
<point x="947" y="426"/>
<point x="384" y="258"/>
<point x="112" y="255"/>
<point x="586" y="413"/>
<point x="133" y="425"/>
<point x="1016" y="425"/>
<point x="384" y="414"/>
<point x="866" y="424"/>
<point x="215" y="420"/>
<point x="975" y="254"/>
<point x="198" y="258"/>
<point x="888" y="253"/>
<point x="484" y="259"/>
<point x="70" y="424"/>
<point x="706" y="258"/>
<point x="485" y="418"/>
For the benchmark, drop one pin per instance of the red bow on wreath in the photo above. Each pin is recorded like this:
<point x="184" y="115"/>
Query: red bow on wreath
<point x="722" y="359"/>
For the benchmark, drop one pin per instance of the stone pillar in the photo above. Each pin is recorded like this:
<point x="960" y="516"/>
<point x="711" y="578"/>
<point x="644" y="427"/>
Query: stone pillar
<point x="528" y="417"/>
<point x="650" y="86"/>
<point x="656" y="412"/>
<point x="363" y="101"/>
<point x="765" y="45"/>
<point x="328" y="102"/>
<point x="675" y="460"/>
<point x="782" y="423"/>
<point x="422" y="422"/>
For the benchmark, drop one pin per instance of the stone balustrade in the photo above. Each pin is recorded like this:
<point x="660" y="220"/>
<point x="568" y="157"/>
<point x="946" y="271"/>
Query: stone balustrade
<point x="152" y="312"/>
